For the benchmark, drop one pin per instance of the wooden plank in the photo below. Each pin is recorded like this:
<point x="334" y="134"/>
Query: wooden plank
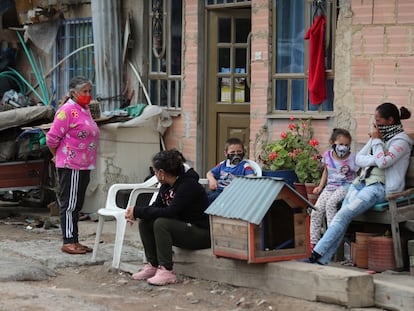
<point x="230" y="243"/>
<point x="292" y="199"/>
<point x="395" y="231"/>
<point x="225" y="229"/>
<point x="21" y="174"/>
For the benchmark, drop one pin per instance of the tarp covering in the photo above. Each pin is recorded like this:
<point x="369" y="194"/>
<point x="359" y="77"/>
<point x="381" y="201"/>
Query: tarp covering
<point x="23" y="116"/>
<point x="153" y="117"/>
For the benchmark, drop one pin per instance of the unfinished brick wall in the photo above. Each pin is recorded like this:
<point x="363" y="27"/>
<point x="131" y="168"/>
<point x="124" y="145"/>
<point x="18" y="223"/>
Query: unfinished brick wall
<point x="382" y="58"/>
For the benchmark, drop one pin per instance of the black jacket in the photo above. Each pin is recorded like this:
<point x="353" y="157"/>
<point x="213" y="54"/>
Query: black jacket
<point x="186" y="200"/>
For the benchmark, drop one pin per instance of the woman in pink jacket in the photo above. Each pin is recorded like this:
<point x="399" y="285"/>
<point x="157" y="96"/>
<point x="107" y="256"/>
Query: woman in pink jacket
<point x="73" y="141"/>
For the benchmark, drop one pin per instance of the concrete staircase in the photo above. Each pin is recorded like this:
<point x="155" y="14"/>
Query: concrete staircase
<point x="353" y="288"/>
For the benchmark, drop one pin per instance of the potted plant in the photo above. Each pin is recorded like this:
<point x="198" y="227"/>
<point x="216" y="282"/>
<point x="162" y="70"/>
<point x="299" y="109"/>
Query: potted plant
<point x="296" y="150"/>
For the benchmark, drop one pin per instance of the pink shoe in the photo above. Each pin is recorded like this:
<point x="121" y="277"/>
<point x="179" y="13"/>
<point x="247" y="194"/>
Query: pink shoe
<point x="147" y="272"/>
<point x="163" y="277"/>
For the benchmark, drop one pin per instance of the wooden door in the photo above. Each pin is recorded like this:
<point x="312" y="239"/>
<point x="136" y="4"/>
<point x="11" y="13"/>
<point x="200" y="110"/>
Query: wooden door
<point x="227" y="83"/>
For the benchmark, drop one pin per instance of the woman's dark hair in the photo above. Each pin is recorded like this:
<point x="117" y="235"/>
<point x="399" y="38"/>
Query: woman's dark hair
<point x="337" y="132"/>
<point x="171" y="161"/>
<point x="387" y="110"/>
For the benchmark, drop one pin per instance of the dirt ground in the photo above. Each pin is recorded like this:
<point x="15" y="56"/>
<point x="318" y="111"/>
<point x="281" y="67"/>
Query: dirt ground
<point x="98" y="287"/>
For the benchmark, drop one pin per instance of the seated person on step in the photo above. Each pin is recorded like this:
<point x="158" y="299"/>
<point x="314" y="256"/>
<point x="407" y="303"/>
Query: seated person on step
<point x="176" y="218"/>
<point x="224" y="172"/>
<point x="339" y="172"/>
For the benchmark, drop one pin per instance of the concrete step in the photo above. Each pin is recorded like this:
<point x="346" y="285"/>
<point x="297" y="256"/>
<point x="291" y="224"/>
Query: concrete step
<point x="291" y="278"/>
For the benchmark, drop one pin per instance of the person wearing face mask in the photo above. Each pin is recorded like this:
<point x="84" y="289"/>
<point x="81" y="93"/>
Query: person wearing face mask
<point x="73" y="142"/>
<point x="385" y="158"/>
<point x="339" y="172"/>
<point x="224" y="172"/>
<point x="176" y="218"/>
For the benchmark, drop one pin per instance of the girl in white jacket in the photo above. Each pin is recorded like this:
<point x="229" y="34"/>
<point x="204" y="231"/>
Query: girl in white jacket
<point x="385" y="157"/>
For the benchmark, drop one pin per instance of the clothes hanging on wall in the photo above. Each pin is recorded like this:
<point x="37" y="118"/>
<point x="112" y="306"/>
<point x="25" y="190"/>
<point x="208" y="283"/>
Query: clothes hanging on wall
<point x="317" y="81"/>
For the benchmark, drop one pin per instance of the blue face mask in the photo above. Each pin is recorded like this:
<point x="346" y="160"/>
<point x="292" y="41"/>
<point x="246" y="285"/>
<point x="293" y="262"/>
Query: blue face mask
<point x="341" y="150"/>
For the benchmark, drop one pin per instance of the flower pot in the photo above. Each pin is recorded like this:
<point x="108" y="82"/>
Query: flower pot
<point x="288" y="175"/>
<point x="381" y="254"/>
<point x="300" y="188"/>
<point x="361" y="252"/>
<point x="309" y="192"/>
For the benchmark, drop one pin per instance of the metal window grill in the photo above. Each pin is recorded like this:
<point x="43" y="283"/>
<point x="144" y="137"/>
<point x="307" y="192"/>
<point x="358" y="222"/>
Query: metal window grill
<point x="73" y="35"/>
<point x="165" y="53"/>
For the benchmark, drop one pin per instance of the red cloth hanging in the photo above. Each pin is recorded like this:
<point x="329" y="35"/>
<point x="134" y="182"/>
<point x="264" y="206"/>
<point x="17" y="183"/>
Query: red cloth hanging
<point x="317" y="81"/>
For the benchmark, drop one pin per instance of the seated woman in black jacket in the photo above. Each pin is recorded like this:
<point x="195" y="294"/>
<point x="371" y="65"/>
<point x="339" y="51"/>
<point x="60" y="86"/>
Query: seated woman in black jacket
<point x="176" y="218"/>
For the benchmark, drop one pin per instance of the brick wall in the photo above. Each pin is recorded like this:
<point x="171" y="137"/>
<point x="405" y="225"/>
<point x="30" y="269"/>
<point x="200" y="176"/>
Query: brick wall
<point x="382" y="58"/>
<point x="183" y="132"/>
<point x="260" y="69"/>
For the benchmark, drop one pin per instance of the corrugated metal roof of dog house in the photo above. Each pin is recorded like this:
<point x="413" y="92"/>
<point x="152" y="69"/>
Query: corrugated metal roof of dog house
<point x="260" y="219"/>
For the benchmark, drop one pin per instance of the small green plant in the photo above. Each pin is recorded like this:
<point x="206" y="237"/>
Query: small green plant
<point x="296" y="149"/>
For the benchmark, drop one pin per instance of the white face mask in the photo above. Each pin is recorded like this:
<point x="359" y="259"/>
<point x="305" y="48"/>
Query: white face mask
<point x="341" y="150"/>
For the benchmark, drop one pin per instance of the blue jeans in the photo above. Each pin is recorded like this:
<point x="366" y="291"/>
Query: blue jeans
<point x="358" y="200"/>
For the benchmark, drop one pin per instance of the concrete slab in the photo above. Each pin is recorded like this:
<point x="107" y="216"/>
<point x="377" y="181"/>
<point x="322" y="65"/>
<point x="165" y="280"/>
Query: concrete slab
<point x="395" y="296"/>
<point x="19" y="270"/>
<point x="48" y="253"/>
<point x="385" y="292"/>
<point x="290" y="278"/>
<point x="392" y="291"/>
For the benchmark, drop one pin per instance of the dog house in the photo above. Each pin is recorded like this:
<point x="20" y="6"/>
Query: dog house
<point x="260" y="219"/>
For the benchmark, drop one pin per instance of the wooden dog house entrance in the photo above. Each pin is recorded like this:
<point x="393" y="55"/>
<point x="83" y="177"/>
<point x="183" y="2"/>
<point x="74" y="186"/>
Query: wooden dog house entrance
<point x="260" y="219"/>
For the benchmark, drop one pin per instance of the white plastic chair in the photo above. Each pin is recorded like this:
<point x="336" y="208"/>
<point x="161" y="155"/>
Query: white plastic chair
<point x="112" y="210"/>
<point x="256" y="167"/>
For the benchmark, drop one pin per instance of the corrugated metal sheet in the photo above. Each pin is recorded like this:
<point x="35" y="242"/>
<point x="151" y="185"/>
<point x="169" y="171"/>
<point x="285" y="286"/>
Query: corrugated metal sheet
<point x="247" y="198"/>
<point x="107" y="41"/>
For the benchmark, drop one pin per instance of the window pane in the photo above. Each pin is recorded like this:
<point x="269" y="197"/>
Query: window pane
<point x="224" y="27"/>
<point x="241" y="59"/>
<point x="290" y="27"/>
<point x="281" y="94"/>
<point x="242" y="29"/>
<point x="73" y="34"/>
<point x="158" y="64"/>
<point x="224" y="59"/>
<point x="297" y="95"/>
<point x="176" y="37"/>
<point x="165" y="54"/>
<point x="329" y="48"/>
<point x="154" y="92"/>
<point x="291" y="19"/>
<point x="327" y="105"/>
<point x="224" y="90"/>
